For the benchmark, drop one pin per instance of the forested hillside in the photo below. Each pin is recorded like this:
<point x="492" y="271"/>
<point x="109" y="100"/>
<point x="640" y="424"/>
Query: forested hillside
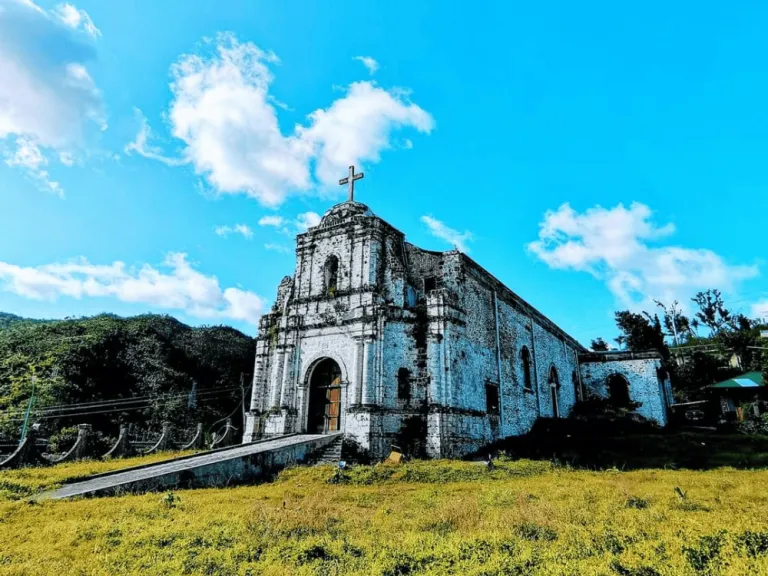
<point x="106" y="370"/>
<point x="7" y="320"/>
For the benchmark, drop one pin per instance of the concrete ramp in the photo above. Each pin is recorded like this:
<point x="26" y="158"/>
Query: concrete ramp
<point x="232" y="465"/>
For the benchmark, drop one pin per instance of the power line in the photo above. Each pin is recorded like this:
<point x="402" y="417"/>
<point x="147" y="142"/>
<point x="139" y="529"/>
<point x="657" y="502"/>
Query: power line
<point x="61" y="410"/>
<point x="97" y="402"/>
<point x="118" y="401"/>
<point x="96" y="412"/>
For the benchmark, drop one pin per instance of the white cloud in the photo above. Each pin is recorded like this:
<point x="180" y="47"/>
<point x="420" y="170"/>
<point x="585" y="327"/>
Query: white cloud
<point x="141" y="145"/>
<point x="180" y="288"/>
<point x="369" y="63"/>
<point x="275" y="221"/>
<point x="47" y="96"/>
<point x="223" y="112"/>
<point x="74" y="18"/>
<point x="614" y="245"/>
<point x="358" y="127"/>
<point x="241" y="229"/>
<point x="291" y="226"/>
<point x="278" y="248"/>
<point x="29" y="157"/>
<point x="307" y="220"/>
<point x="760" y="310"/>
<point x="455" y="238"/>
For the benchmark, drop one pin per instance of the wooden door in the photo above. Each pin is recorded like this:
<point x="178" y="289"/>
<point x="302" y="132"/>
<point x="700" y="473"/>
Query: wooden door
<point x="333" y="406"/>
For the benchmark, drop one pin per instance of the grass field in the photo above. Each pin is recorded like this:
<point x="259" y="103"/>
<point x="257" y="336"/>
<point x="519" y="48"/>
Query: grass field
<point x="439" y="517"/>
<point x="17" y="484"/>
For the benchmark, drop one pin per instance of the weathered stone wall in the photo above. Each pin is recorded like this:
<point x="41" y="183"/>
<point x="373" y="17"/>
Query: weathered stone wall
<point x="645" y="384"/>
<point x="478" y="355"/>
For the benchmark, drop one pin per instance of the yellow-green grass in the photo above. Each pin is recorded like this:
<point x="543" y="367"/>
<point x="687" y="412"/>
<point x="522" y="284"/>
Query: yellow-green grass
<point x="15" y="484"/>
<point x="440" y="517"/>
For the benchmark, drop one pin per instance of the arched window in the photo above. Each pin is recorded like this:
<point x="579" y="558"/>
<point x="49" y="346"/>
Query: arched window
<point x="491" y="398"/>
<point x="618" y="391"/>
<point x="576" y="386"/>
<point x="525" y="356"/>
<point x="554" y="386"/>
<point x="404" y="384"/>
<point x="331" y="274"/>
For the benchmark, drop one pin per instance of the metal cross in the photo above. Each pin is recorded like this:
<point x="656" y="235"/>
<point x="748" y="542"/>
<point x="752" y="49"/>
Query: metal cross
<point x="350" y="181"/>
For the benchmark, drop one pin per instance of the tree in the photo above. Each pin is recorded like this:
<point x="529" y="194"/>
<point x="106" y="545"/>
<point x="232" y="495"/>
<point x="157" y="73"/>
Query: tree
<point x="599" y="345"/>
<point x="676" y="323"/>
<point x="740" y="336"/>
<point x="640" y="332"/>
<point x="712" y="311"/>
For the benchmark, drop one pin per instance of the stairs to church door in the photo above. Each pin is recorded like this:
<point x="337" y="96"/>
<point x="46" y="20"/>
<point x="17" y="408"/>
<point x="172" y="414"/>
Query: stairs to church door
<point x="330" y="454"/>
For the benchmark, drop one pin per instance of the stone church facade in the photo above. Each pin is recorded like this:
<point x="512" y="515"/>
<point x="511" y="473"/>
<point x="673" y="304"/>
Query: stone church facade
<point x="395" y="345"/>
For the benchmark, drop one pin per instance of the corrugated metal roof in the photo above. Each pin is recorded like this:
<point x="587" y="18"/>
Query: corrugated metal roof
<point x="748" y="380"/>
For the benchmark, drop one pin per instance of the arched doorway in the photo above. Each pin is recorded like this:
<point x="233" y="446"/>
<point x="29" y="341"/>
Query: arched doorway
<point x="618" y="391"/>
<point x="324" y="397"/>
<point x="554" y="386"/>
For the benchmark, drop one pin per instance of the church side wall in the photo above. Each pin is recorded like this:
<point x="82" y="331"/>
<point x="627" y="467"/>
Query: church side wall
<point x="645" y="385"/>
<point x="474" y="362"/>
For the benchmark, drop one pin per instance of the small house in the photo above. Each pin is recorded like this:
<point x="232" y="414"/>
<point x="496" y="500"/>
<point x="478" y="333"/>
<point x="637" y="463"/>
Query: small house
<point x="733" y="394"/>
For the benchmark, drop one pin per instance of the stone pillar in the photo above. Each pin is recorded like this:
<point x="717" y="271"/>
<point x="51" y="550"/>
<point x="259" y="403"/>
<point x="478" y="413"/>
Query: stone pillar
<point x="301" y="406"/>
<point x="251" y="429"/>
<point x="436" y="369"/>
<point x="286" y="378"/>
<point x="81" y="444"/>
<point x="358" y="388"/>
<point x="258" y="391"/>
<point x="367" y="377"/>
<point x="275" y="379"/>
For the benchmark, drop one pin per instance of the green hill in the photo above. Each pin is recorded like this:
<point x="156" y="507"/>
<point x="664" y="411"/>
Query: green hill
<point x="7" y="320"/>
<point x="85" y="370"/>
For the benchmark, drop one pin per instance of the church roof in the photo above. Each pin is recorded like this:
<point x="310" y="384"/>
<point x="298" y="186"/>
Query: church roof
<point x="343" y="212"/>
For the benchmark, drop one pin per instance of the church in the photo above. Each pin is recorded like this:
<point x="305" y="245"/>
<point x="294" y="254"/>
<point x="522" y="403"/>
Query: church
<point x="395" y="345"/>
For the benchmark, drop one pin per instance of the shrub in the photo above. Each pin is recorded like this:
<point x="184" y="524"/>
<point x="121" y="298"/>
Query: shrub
<point x="534" y="532"/>
<point x="754" y="424"/>
<point x="353" y="452"/>
<point x="753" y="543"/>
<point x="637" y="502"/>
<point x="63" y="440"/>
<point x="170" y="500"/>
<point x="596" y="407"/>
<point x="617" y="567"/>
<point x="707" y="551"/>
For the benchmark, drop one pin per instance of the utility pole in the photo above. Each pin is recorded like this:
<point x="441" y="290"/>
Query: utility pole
<point x="29" y="411"/>
<point x="242" y="394"/>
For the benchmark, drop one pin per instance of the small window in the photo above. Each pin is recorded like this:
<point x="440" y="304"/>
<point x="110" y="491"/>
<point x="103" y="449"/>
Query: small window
<point x="410" y="297"/>
<point x="576" y="386"/>
<point x="491" y="398"/>
<point x="404" y="384"/>
<point x="618" y="391"/>
<point x="554" y="378"/>
<point x="430" y="283"/>
<point x="525" y="356"/>
<point x="331" y="275"/>
<point x="554" y="386"/>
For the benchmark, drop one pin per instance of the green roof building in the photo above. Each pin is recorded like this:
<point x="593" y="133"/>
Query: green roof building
<point x="748" y="380"/>
<point x="739" y="390"/>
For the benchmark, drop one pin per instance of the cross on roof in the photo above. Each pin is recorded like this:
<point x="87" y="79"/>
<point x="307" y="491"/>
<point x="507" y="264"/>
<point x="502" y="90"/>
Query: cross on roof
<point x="350" y="181"/>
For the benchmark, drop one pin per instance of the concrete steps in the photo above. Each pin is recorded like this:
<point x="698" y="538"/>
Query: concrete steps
<point x="331" y="454"/>
<point x="232" y="465"/>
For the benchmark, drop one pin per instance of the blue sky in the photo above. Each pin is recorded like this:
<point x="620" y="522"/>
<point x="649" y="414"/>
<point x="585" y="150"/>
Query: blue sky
<point x="157" y="157"/>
